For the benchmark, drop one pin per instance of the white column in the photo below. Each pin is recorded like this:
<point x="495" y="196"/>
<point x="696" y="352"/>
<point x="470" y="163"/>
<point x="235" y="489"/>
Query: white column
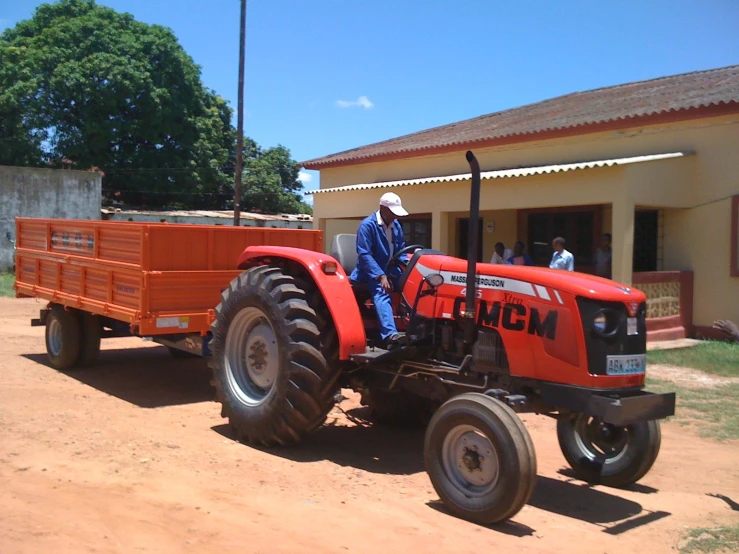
<point x="623" y="238"/>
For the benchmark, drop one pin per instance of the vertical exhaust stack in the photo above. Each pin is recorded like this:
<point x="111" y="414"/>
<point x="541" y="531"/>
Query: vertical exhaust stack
<point x="472" y="246"/>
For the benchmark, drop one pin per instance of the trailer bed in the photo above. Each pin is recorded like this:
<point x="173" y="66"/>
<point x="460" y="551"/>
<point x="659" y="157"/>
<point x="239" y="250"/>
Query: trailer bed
<point x="160" y="278"/>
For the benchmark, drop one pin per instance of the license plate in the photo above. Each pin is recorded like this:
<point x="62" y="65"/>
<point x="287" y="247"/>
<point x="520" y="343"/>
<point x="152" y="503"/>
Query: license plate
<point x="626" y="365"/>
<point x="631" y="328"/>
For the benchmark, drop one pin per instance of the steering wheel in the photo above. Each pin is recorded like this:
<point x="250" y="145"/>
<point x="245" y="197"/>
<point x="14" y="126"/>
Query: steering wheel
<point x="395" y="258"/>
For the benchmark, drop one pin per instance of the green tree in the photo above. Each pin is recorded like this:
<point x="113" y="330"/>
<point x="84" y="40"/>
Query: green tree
<point x="271" y="183"/>
<point x="84" y="83"/>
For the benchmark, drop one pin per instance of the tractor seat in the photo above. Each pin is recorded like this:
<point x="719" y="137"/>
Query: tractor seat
<point x="344" y="250"/>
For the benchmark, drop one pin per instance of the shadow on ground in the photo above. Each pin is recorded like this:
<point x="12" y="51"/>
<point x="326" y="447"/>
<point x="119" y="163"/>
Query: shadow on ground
<point x="376" y="449"/>
<point x="399" y="451"/>
<point x="145" y="377"/>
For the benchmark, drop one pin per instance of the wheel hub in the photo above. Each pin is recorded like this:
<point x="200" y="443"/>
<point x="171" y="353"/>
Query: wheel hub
<point x="470" y="461"/>
<point x="252" y="356"/>
<point x="258" y="356"/>
<point x="600" y="441"/>
<point x="55" y="337"/>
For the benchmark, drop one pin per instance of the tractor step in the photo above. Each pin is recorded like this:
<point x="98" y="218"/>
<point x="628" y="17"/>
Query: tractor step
<point x="374" y="354"/>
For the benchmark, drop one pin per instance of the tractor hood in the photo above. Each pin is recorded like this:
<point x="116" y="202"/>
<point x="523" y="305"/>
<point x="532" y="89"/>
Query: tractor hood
<point x="518" y="278"/>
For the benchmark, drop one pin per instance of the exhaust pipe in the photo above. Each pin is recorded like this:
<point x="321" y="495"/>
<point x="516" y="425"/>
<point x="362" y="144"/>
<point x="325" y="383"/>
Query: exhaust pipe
<point x="472" y="246"/>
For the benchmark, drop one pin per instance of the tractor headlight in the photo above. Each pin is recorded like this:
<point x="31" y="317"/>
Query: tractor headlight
<point x="435" y="280"/>
<point x="605" y="323"/>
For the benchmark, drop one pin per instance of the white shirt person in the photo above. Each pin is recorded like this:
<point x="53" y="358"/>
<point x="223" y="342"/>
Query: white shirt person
<point x="501" y="254"/>
<point x="561" y="258"/>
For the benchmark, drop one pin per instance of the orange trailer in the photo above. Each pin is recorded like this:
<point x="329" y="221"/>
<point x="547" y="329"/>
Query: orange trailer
<point x="145" y="279"/>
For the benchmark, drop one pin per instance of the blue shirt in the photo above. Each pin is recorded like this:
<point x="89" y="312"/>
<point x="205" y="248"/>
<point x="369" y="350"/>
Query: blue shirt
<point x="564" y="260"/>
<point x="526" y="260"/>
<point x="373" y="248"/>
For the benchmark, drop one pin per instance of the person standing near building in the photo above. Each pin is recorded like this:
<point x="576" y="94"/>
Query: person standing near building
<point x="501" y="254"/>
<point x="561" y="258"/>
<point x="519" y="256"/>
<point x="604" y="257"/>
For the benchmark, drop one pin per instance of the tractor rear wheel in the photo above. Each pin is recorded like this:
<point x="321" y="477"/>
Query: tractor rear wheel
<point x="268" y="370"/>
<point x="606" y="454"/>
<point x="63" y="337"/>
<point x="480" y="458"/>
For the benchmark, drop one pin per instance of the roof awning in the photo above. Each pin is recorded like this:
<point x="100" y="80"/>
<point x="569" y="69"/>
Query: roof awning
<point x="506" y="173"/>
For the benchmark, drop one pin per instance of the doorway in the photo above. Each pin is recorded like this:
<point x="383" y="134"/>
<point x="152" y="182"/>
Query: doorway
<point x="579" y="227"/>
<point x="463" y="228"/>
<point x="646" y="240"/>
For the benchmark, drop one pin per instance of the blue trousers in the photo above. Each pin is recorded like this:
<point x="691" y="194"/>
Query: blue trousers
<point x="384" y="307"/>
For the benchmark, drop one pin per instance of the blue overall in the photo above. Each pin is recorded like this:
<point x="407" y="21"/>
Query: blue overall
<point x="373" y="253"/>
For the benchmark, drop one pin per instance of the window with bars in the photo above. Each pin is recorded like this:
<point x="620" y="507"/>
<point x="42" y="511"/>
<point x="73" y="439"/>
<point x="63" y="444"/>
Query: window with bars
<point x="417" y="231"/>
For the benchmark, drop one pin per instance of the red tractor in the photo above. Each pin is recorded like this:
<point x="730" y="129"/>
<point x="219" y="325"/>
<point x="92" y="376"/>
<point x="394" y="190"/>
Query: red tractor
<point x="485" y="343"/>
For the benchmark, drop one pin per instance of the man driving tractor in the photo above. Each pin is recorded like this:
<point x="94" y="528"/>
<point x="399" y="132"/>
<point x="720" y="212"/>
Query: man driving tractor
<point x="378" y="237"/>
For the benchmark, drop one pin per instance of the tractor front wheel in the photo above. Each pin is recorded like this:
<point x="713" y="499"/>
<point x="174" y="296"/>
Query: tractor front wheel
<point x="268" y="370"/>
<point x="606" y="454"/>
<point x="480" y="458"/>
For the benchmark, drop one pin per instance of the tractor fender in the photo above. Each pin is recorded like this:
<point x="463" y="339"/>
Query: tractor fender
<point x="335" y="289"/>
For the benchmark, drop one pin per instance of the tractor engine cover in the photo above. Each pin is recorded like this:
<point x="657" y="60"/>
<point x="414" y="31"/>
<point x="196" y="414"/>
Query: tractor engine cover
<point x="543" y="324"/>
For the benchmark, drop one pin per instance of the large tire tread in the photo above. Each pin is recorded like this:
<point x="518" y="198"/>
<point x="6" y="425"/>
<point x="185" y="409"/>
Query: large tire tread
<point x="300" y="401"/>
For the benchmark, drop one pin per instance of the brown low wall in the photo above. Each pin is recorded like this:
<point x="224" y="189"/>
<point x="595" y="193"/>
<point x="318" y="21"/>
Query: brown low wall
<point x="669" y="303"/>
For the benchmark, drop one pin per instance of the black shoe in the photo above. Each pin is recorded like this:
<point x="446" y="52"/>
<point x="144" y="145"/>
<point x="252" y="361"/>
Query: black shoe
<point x="396" y="340"/>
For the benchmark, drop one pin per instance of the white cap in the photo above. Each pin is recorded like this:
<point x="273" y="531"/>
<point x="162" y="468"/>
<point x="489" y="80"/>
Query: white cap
<point x="392" y="201"/>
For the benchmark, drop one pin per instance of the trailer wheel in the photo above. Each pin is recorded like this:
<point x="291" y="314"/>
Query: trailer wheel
<point x="606" y="454"/>
<point x="268" y="369"/>
<point x="63" y="340"/>
<point x="91" y="328"/>
<point x="480" y="458"/>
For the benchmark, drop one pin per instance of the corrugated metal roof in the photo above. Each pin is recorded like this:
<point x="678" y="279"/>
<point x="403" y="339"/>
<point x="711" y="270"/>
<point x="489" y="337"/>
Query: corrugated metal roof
<point x="506" y="173"/>
<point x="579" y="111"/>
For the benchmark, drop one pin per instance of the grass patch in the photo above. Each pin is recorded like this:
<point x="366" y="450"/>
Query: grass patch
<point x="712" y="409"/>
<point x="719" y="539"/>
<point x="716" y="357"/>
<point x="7" y="280"/>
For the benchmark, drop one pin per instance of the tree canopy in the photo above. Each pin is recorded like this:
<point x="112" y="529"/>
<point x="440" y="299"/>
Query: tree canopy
<point x="85" y="85"/>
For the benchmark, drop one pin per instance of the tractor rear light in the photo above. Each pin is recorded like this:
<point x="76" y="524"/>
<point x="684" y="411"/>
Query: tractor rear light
<point x="329" y="268"/>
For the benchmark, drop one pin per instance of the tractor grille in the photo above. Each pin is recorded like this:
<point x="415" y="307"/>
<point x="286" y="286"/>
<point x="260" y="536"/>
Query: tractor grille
<point x="488" y="349"/>
<point x="599" y="347"/>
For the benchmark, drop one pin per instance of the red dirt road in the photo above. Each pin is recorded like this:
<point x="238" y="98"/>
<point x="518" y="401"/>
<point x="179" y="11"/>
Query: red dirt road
<point x="133" y="456"/>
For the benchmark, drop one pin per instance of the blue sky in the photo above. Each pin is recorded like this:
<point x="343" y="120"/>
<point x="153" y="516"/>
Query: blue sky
<point x="324" y="76"/>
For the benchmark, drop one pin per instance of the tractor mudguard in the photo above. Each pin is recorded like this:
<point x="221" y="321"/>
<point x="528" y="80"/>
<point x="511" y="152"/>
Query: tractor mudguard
<point x="335" y="289"/>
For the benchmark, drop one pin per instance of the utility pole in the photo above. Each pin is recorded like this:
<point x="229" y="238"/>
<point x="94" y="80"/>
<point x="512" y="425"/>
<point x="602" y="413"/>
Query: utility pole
<point x="240" y="121"/>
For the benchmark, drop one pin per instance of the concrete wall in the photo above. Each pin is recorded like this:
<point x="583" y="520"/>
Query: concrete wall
<point x="50" y="193"/>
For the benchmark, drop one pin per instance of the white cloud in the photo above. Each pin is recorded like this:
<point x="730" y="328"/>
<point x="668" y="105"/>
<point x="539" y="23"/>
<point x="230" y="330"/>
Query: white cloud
<point x="304" y="177"/>
<point x="362" y="102"/>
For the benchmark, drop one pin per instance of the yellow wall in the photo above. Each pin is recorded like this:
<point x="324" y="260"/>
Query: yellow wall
<point x="335" y="227"/>
<point x="711" y="139"/>
<point x="698" y="239"/>
<point x="693" y="191"/>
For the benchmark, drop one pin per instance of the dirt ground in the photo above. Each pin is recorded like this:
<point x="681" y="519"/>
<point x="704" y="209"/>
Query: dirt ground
<point x="133" y="456"/>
